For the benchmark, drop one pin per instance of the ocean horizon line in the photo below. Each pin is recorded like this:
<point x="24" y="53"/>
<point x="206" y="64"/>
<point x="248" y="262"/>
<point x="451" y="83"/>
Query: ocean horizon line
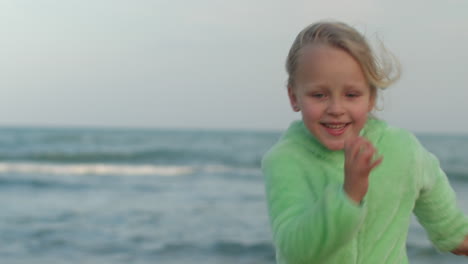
<point x="124" y="128"/>
<point x="136" y="128"/>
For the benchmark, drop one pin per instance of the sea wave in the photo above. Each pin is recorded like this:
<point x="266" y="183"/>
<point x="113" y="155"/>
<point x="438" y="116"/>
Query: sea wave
<point x="240" y="248"/>
<point x="94" y="169"/>
<point x="115" y="169"/>
<point x="225" y="248"/>
<point x="155" y="156"/>
<point x="458" y="175"/>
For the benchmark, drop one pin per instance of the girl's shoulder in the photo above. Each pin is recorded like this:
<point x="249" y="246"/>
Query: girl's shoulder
<point x="285" y="149"/>
<point x="381" y="134"/>
<point x="298" y="146"/>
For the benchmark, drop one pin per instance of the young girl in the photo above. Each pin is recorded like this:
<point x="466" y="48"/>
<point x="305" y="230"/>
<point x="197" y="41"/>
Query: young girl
<point x="341" y="185"/>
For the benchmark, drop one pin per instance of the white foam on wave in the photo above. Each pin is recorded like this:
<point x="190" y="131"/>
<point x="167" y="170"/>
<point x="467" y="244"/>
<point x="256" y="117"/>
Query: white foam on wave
<point x="224" y="169"/>
<point x="94" y="169"/>
<point x="117" y="169"/>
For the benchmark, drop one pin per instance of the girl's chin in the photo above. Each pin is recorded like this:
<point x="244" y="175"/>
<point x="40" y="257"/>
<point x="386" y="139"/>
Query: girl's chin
<point x="339" y="145"/>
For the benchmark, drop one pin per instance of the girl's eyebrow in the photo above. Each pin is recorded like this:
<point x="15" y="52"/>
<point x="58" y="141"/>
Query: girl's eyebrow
<point x="315" y="85"/>
<point x="355" y="84"/>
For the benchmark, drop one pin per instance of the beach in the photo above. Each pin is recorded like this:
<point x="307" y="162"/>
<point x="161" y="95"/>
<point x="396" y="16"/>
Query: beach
<point x="95" y="195"/>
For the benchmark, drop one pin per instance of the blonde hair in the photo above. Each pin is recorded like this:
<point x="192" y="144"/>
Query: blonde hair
<point x="379" y="72"/>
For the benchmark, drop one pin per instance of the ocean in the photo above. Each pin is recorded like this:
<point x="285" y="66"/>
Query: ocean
<point x="95" y="195"/>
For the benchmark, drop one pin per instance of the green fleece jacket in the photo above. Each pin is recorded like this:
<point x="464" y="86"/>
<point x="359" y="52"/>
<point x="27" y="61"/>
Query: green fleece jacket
<point x="314" y="221"/>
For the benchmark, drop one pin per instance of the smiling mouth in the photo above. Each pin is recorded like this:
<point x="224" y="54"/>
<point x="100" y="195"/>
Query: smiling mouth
<point x="335" y="129"/>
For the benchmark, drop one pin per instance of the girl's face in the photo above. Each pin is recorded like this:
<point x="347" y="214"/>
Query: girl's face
<point x="332" y="93"/>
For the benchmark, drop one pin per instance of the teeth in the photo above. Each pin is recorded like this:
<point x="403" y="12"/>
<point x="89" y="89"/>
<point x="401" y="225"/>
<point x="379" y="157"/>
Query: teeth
<point x="335" y="126"/>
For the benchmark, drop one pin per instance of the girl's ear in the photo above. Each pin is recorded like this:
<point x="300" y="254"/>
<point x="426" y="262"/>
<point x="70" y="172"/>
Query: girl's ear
<point x="371" y="104"/>
<point x="293" y="99"/>
<point x="372" y="101"/>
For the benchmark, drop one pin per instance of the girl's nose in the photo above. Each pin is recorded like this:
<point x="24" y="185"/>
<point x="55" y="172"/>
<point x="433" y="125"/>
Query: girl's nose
<point x="335" y="108"/>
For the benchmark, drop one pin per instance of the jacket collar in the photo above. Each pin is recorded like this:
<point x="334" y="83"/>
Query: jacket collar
<point x="299" y="133"/>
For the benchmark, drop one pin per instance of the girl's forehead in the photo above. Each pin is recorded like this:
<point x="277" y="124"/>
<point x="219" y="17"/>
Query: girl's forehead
<point x="324" y="63"/>
<point x="323" y="53"/>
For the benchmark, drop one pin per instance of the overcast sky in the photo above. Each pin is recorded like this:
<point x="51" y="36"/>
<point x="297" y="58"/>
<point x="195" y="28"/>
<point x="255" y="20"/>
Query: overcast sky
<point x="214" y="64"/>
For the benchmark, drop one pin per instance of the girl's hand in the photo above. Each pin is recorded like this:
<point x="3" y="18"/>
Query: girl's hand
<point x="359" y="162"/>
<point x="462" y="249"/>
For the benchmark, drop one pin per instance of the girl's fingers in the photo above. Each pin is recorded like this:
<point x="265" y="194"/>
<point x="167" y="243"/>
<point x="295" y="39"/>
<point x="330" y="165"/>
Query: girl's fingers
<point x="356" y="147"/>
<point x="376" y="162"/>
<point x="366" y="148"/>
<point x="366" y="153"/>
<point x="363" y="150"/>
<point x="349" y="145"/>
<point x="360" y="153"/>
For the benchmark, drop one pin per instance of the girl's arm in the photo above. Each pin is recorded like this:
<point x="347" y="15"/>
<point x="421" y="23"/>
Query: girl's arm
<point x="310" y="218"/>
<point x="436" y="207"/>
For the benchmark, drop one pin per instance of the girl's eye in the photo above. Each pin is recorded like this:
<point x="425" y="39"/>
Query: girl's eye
<point x="352" y="95"/>
<point x="318" y="95"/>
